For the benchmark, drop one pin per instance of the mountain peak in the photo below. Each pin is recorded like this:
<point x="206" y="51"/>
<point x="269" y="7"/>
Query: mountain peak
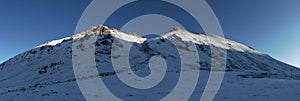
<point x="47" y="72"/>
<point x="176" y="32"/>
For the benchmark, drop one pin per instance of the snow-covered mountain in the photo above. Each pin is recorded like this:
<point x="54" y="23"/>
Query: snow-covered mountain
<point x="46" y="72"/>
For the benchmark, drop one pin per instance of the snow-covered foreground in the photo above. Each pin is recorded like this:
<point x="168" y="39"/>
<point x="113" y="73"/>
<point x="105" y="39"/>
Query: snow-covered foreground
<point x="46" y="72"/>
<point x="258" y="89"/>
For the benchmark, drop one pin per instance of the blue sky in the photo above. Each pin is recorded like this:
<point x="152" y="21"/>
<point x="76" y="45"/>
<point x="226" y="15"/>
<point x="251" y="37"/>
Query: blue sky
<point x="270" y="26"/>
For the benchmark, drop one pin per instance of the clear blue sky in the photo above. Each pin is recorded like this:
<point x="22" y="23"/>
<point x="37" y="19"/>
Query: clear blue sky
<point x="270" y="26"/>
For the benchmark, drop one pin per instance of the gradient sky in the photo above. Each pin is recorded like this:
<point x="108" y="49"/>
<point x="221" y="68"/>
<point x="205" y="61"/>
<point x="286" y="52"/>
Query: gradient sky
<point x="270" y="26"/>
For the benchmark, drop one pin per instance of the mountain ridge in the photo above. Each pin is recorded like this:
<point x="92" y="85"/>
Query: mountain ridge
<point x="44" y="70"/>
<point x="194" y="38"/>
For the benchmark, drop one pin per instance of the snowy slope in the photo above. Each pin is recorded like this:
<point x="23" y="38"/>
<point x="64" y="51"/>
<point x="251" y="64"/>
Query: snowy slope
<point x="46" y="72"/>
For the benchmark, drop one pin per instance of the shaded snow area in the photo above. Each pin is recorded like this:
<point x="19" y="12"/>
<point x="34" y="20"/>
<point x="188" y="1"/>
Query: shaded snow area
<point x="46" y="72"/>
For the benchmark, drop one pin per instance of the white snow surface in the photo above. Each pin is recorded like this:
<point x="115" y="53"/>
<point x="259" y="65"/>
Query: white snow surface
<point x="46" y="72"/>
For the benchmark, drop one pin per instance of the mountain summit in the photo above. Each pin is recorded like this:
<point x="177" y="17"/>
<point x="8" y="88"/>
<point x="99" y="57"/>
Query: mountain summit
<point x="46" y="72"/>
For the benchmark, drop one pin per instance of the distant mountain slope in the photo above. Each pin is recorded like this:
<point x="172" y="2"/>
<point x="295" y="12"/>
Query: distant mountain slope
<point x="46" y="72"/>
